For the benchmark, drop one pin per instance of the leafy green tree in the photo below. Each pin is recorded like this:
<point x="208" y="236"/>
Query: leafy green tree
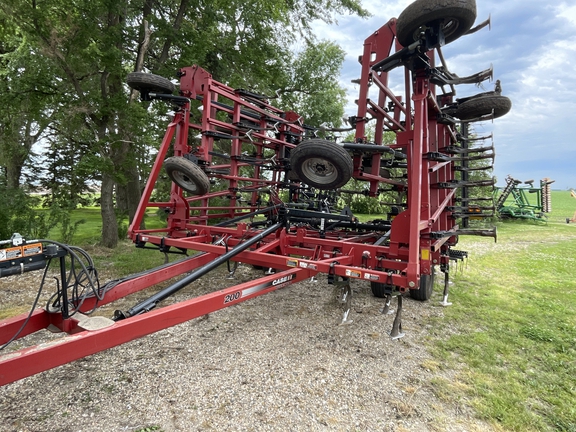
<point x="27" y="96"/>
<point x="312" y="89"/>
<point x="88" y="47"/>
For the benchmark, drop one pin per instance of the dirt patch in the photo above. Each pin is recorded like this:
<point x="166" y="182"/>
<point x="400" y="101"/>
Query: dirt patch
<point x="277" y="362"/>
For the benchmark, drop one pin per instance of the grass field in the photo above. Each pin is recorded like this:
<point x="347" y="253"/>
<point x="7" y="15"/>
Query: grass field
<point x="510" y="337"/>
<point x="507" y="346"/>
<point x="89" y="231"/>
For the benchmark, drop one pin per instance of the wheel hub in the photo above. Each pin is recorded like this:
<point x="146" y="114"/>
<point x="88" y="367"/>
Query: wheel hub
<point x="184" y="180"/>
<point x="319" y="168"/>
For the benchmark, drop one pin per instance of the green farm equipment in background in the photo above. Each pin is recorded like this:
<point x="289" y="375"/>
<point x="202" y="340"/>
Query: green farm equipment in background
<point x="573" y="218"/>
<point x="524" y="202"/>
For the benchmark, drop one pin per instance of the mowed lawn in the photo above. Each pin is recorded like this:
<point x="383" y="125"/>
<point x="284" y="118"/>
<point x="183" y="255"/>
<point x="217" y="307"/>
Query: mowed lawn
<point x="510" y="335"/>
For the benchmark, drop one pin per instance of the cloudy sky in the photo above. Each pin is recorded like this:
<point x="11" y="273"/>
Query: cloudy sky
<point x="532" y="48"/>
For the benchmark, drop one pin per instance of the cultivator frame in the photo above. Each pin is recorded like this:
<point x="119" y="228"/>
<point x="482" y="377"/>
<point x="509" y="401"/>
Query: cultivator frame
<point x="254" y="184"/>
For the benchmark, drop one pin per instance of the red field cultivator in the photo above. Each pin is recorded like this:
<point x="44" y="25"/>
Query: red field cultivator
<point x="254" y="184"/>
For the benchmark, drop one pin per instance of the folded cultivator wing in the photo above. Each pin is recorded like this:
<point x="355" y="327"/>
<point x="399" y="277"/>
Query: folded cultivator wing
<point x="254" y="184"/>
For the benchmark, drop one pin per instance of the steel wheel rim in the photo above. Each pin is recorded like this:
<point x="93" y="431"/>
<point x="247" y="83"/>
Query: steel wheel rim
<point x="184" y="181"/>
<point x="319" y="170"/>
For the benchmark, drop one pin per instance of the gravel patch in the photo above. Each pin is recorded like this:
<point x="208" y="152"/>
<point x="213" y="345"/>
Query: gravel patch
<point x="280" y="362"/>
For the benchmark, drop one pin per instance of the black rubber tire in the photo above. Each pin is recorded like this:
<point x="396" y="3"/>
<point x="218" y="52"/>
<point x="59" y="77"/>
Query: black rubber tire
<point x="483" y="105"/>
<point x="458" y="16"/>
<point x="426" y="287"/>
<point x="291" y="175"/>
<point x="381" y="290"/>
<point x="321" y="164"/>
<point x="187" y="175"/>
<point x="142" y="81"/>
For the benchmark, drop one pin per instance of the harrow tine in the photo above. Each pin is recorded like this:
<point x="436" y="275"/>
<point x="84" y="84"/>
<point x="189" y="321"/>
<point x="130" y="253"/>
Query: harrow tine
<point x="231" y="272"/>
<point x="480" y="26"/>
<point x="466" y="200"/>
<point x="472" y="215"/>
<point x="469" y="209"/>
<point x="483" y="138"/>
<point x="480" y="232"/>
<point x="479" y="157"/>
<point x="456" y="184"/>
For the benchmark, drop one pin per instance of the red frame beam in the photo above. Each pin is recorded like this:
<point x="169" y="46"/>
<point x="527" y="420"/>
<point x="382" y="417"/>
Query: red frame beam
<point x="29" y="361"/>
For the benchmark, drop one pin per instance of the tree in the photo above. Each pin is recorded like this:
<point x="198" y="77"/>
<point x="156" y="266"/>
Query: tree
<point x="28" y="100"/>
<point x="312" y="87"/>
<point x="90" y="46"/>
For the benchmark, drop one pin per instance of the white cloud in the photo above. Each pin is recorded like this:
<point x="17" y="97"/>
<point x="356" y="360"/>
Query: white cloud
<point x="567" y="11"/>
<point x="385" y="9"/>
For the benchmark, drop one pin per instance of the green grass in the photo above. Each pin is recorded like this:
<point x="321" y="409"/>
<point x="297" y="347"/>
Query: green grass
<point x="124" y="259"/>
<point x="563" y="206"/>
<point x="90" y="230"/>
<point x="512" y="328"/>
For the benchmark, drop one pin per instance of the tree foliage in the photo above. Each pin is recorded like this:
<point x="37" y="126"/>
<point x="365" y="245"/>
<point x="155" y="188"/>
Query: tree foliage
<point x="27" y="96"/>
<point x="64" y="64"/>
<point x="308" y="88"/>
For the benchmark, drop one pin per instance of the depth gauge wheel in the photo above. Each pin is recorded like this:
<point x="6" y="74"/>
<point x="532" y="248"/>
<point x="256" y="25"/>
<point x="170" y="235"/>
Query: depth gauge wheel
<point x="426" y="287"/>
<point x="149" y="83"/>
<point x="187" y="175"/>
<point x="322" y="164"/>
<point x="483" y="105"/>
<point x="455" y="16"/>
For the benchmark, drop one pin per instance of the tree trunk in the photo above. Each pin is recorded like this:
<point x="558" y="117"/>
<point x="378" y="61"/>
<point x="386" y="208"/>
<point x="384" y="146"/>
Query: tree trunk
<point x="13" y="174"/>
<point x="121" y="199"/>
<point x="18" y="151"/>
<point x="109" y="222"/>
<point x="132" y="189"/>
<point x="128" y="194"/>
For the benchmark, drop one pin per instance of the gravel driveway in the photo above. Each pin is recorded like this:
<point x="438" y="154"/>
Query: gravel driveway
<point x="280" y="362"/>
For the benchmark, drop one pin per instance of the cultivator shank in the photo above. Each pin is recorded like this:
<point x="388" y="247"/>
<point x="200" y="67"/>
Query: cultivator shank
<point x="254" y="184"/>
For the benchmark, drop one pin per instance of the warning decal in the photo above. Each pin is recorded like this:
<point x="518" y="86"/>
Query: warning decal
<point x="10" y="253"/>
<point x="32" y="249"/>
